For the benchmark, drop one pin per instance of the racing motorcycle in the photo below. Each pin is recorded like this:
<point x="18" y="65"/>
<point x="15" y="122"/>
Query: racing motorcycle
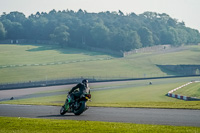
<point x="78" y="107"/>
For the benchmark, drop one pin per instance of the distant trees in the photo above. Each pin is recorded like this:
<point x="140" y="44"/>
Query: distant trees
<point x="2" y="31"/>
<point x="61" y="35"/>
<point x="111" y="30"/>
<point x="13" y="23"/>
<point x="100" y="35"/>
<point x="135" y="40"/>
<point x="146" y="37"/>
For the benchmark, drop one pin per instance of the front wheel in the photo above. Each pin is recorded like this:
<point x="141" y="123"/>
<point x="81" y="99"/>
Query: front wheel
<point x="80" y="109"/>
<point x="62" y="110"/>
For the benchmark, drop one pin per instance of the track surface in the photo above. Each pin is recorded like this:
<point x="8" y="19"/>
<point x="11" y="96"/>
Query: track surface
<point x="177" y="117"/>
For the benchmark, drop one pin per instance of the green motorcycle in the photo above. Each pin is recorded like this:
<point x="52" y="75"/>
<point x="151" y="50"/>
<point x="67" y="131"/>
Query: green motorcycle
<point x="78" y="107"/>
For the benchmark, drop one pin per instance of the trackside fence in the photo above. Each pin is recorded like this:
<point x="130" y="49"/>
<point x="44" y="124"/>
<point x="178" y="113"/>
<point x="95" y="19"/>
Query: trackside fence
<point x="31" y="84"/>
<point x="55" y="82"/>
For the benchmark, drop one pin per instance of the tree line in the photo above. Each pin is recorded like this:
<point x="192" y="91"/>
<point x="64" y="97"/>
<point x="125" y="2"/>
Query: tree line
<point x="109" y="30"/>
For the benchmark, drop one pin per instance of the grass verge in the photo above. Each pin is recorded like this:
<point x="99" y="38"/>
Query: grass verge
<point x="24" y="125"/>
<point x="192" y="90"/>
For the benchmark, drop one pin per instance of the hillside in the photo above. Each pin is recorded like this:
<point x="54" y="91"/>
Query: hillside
<point x="24" y="63"/>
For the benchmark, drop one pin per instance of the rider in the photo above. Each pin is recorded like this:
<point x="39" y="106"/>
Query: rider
<point x="83" y="88"/>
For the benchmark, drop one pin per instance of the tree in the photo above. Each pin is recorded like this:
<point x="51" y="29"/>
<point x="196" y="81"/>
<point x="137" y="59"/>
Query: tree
<point x="146" y="36"/>
<point x="2" y="31"/>
<point x="14" y="29"/>
<point x="13" y="23"/>
<point x="135" y="40"/>
<point x="182" y="35"/>
<point x="171" y="36"/>
<point x="112" y="30"/>
<point x="175" y="38"/>
<point x="193" y="36"/>
<point x="16" y="32"/>
<point x="117" y="42"/>
<point x="40" y="28"/>
<point x="172" y="22"/>
<point x="121" y="13"/>
<point x="100" y="34"/>
<point x="15" y="17"/>
<point x="61" y="35"/>
<point x="166" y="37"/>
<point x="132" y="41"/>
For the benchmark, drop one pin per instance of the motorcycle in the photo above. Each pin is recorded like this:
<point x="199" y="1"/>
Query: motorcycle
<point x="78" y="107"/>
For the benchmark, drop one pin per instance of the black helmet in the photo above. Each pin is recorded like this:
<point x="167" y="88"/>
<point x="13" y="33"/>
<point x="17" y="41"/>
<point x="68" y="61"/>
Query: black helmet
<point x="85" y="81"/>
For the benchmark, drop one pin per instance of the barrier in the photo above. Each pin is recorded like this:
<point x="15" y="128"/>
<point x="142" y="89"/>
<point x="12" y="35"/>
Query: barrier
<point x="171" y="93"/>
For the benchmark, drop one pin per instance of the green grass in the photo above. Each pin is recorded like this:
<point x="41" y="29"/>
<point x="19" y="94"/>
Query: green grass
<point x="36" y="54"/>
<point x="77" y="63"/>
<point x="125" y="94"/>
<point x="55" y="63"/>
<point x="24" y="125"/>
<point x="191" y="90"/>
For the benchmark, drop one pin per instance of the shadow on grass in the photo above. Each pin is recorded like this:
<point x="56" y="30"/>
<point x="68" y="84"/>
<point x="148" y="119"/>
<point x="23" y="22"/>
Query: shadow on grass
<point x="180" y="69"/>
<point x="41" y="48"/>
<point x="65" y="50"/>
<point x="167" y="71"/>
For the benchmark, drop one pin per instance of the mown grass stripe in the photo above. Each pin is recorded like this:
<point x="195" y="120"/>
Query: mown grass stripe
<point x="24" y="125"/>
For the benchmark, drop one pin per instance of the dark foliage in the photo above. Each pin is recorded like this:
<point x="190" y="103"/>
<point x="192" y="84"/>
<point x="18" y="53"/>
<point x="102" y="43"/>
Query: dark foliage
<point x="109" y="30"/>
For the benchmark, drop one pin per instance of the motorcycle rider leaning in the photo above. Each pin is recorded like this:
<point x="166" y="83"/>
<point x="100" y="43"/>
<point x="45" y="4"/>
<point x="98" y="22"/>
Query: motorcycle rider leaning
<point x="83" y="88"/>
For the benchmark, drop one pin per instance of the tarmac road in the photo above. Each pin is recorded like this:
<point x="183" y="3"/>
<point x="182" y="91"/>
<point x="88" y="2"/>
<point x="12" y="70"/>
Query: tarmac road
<point x="177" y="117"/>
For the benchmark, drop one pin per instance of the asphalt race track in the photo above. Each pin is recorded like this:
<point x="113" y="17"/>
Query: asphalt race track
<point x="177" y="117"/>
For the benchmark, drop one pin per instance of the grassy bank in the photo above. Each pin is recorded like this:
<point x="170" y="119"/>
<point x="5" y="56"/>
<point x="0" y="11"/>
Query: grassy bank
<point x="24" y="63"/>
<point x="24" y="125"/>
<point x="192" y="90"/>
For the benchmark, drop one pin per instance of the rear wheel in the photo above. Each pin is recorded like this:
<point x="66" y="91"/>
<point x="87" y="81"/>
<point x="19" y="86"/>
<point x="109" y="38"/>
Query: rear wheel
<point x="80" y="109"/>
